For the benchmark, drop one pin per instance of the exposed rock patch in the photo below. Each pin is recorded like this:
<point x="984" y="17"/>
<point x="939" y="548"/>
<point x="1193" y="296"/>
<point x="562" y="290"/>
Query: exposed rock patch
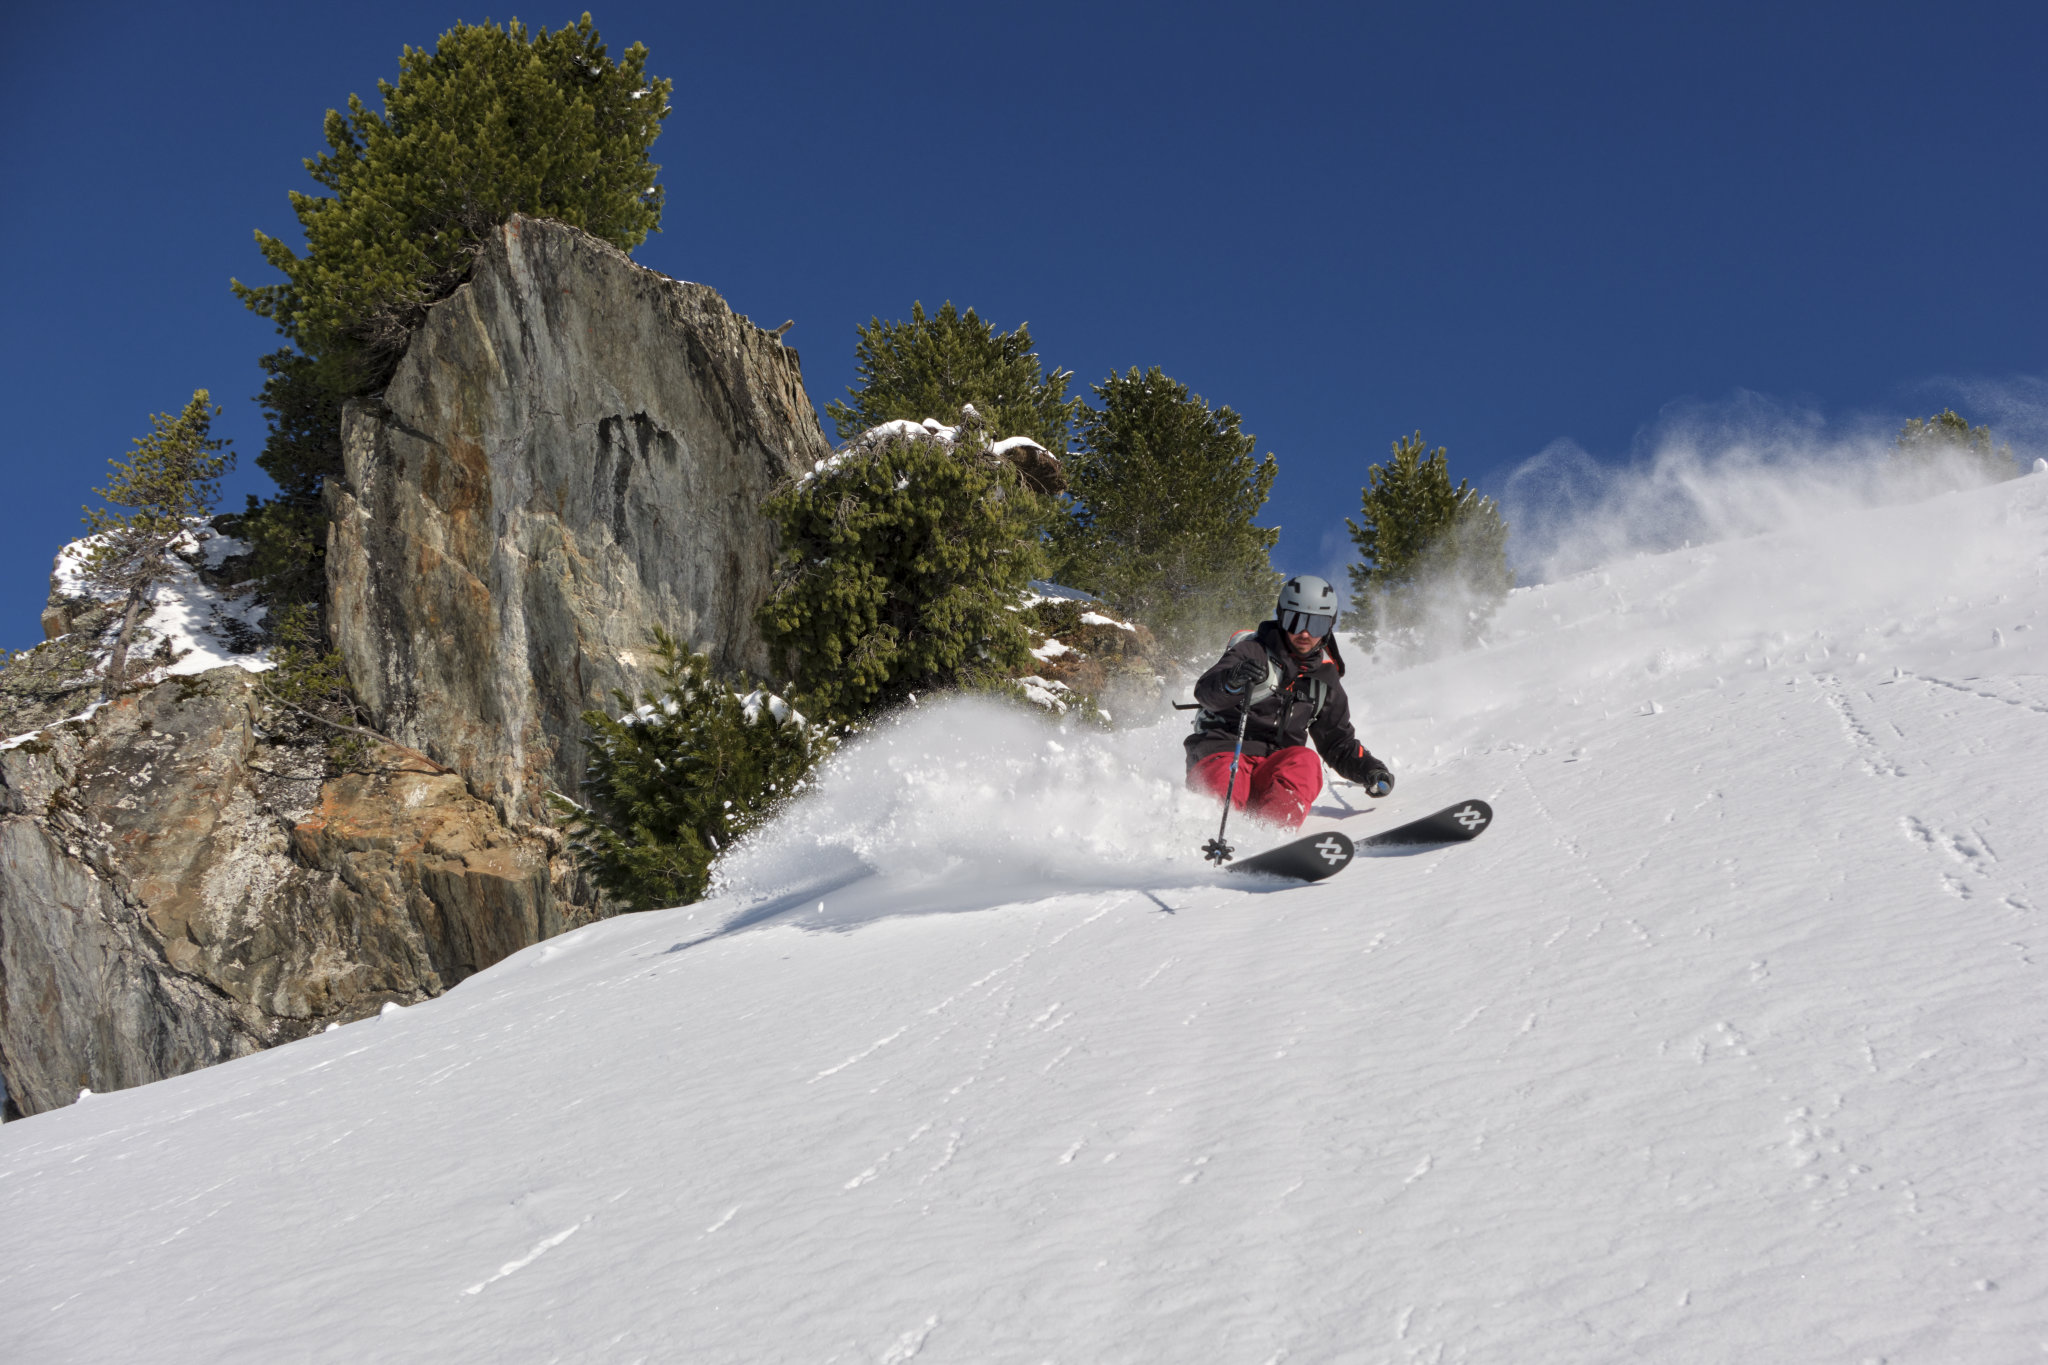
<point x="179" y="886"/>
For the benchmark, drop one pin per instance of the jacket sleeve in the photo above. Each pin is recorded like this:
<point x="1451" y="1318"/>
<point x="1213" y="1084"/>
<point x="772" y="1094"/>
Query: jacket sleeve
<point x="1338" y="743"/>
<point x="1209" y="689"/>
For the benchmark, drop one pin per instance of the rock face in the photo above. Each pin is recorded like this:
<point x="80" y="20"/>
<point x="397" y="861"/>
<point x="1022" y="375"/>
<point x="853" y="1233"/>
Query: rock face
<point x="177" y="888"/>
<point x="574" y="450"/>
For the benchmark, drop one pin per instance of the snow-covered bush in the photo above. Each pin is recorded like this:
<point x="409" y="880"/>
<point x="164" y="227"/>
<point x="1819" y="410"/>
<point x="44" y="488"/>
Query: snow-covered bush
<point x="680" y="775"/>
<point x="1086" y="663"/>
<point x="1945" y="452"/>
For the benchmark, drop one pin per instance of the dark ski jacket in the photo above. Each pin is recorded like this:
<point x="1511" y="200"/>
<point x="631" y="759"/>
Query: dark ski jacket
<point x="1283" y="707"/>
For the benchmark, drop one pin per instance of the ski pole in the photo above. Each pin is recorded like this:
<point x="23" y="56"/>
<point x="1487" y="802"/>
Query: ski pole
<point x="1216" y="851"/>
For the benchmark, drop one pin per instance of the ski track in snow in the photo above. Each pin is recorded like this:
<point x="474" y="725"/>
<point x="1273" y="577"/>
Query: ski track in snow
<point x="1724" y="1043"/>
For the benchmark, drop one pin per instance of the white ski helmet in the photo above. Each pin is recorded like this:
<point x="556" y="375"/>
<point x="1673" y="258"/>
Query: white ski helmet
<point x="1307" y="603"/>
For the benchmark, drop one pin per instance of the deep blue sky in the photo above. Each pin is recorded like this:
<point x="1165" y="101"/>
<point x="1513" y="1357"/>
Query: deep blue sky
<point x="1503" y="224"/>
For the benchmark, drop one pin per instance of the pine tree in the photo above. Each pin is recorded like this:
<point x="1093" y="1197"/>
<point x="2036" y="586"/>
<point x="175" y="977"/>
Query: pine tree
<point x="679" y="777"/>
<point x="491" y="122"/>
<point x="1948" y="450"/>
<point x="1426" y="550"/>
<point x="172" y="478"/>
<point x="1162" y="495"/>
<point x="303" y="450"/>
<point x="929" y="367"/>
<point x="900" y="563"/>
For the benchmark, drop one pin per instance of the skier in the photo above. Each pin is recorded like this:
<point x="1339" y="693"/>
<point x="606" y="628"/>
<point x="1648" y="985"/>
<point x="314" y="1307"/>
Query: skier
<point x="1287" y="671"/>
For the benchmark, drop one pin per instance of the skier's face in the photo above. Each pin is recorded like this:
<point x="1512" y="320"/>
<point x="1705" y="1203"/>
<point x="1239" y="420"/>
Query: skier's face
<point x="1304" y="642"/>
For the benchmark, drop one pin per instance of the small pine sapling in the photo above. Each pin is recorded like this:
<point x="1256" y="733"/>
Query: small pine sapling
<point x="1944" y="451"/>
<point x="1432" y="558"/>
<point x="172" y="478"/>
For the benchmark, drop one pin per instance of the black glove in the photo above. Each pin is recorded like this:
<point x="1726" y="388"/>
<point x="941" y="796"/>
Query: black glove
<point x="1244" y="673"/>
<point x="1368" y="772"/>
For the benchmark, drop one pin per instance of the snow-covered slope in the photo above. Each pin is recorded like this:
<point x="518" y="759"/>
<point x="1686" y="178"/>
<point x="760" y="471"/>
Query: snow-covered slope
<point x="1724" y="1043"/>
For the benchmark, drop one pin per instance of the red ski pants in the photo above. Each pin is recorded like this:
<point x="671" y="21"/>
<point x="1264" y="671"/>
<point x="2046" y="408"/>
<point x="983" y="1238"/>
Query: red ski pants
<point x="1277" y="788"/>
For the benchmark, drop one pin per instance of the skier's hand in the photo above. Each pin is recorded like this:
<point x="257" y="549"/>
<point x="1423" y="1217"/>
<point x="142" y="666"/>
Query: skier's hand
<point x="1368" y="772"/>
<point x="1243" y="674"/>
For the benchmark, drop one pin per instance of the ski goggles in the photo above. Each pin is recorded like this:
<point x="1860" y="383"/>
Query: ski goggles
<point x="1295" y="622"/>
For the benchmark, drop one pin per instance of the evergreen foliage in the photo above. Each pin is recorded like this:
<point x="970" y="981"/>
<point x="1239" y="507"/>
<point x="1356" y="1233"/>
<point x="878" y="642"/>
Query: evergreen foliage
<point x="308" y="672"/>
<point x="900" y="562"/>
<point x="932" y="365"/>
<point x="288" y="533"/>
<point x="680" y="776"/>
<point x="173" y="476"/>
<point x="1947" y="448"/>
<point x="1426" y="550"/>
<point x="1162" y="492"/>
<point x="493" y="121"/>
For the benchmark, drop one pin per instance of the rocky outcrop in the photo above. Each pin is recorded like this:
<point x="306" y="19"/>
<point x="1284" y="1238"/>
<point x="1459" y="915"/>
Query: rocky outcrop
<point x="180" y="885"/>
<point x="574" y="450"/>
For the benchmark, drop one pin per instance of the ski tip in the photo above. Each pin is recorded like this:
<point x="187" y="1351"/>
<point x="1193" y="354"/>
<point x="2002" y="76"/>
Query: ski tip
<point x="1475" y="815"/>
<point x="1308" y="859"/>
<point x="1457" y="824"/>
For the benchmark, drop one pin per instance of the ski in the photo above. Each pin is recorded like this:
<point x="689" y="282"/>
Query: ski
<point x="1451" y="825"/>
<point x="1305" y="860"/>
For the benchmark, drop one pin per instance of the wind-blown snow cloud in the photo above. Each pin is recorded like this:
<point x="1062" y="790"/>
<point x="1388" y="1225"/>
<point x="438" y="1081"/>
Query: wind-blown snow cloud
<point x="2016" y="408"/>
<point x="1720" y="472"/>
